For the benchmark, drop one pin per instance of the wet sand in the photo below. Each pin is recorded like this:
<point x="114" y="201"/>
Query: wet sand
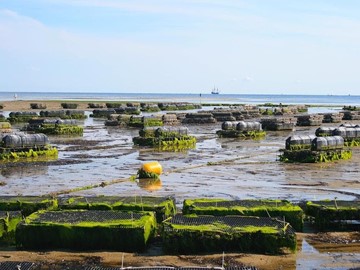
<point x="218" y="167"/>
<point x="24" y="105"/>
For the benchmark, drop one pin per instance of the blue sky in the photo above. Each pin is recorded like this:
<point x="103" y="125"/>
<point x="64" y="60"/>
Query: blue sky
<point x="240" y="46"/>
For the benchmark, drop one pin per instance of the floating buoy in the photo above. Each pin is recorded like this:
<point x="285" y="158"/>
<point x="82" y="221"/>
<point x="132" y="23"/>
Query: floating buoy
<point x="150" y="170"/>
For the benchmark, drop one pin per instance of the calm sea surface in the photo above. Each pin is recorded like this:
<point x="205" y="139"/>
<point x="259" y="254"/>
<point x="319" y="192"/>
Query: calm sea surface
<point x="196" y="98"/>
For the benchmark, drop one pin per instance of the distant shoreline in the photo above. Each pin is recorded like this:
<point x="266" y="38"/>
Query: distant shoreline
<point x="24" y="105"/>
<point x="323" y="100"/>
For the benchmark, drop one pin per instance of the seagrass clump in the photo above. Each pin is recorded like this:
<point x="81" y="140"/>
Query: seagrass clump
<point x="8" y="223"/>
<point x="278" y="123"/>
<point x="5" y="127"/>
<point x="334" y="214"/>
<point x="299" y="142"/>
<point x="309" y="149"/>
<point x="86" y="230"/>
<point x="111" y="105"/>
<point x="60" y="129"/>
<point x="192" y="234"/>
<point x="241" y="129"/>
<point x="124" y="119"/>
<point x="176" y="106"/>
<point x="164" y="207"/>
<point x="16" y="146"/>
<point x="165" y="138"/>
<point x="18" y="117"/>
<point x="281" y="209"/>
<point x="149" y="107"/>
<point x="325" y="131"/>
<point x="145" y="121"/>
<point x="26" y="204"/>
<point x="351" y="135"/>
<point x="55" y="126"/>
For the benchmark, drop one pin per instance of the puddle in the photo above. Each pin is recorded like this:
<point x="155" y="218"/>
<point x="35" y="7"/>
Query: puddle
<point x="310" y="258"/>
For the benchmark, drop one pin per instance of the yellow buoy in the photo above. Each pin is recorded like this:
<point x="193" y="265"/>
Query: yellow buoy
<point x="152" y="167"/>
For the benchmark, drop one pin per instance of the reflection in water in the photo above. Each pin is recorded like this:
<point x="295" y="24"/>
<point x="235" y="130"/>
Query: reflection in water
<point x="149" y="184"/>
<point x="23" y="171"/>
<point x="310" y="258"/>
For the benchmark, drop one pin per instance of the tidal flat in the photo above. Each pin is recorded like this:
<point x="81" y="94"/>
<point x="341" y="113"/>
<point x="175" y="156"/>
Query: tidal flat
<point x="104" y="159"/>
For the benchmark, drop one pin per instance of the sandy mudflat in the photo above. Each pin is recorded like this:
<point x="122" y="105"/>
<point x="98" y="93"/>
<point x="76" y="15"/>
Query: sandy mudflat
<point x="24" y="105"/>
<point x="244" y="169"/>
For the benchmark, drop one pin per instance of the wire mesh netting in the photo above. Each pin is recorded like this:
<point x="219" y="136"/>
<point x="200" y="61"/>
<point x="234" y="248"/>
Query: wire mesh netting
<point x="30" y="199"/>
<point x="10" y="214"/>
<point x="173" y="268"/>
<point x="114" y="199"/>
<point x="242" y="203"/>
<point x="74" y="217"/>
<point x="231" y="222"/>
<point x="16" y="265"/>
<point x="336" y="204"/>
<point x="133" y="268"/>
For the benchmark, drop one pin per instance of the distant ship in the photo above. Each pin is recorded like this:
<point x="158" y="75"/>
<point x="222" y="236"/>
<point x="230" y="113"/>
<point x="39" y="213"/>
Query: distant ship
<point x="215" y="91"/>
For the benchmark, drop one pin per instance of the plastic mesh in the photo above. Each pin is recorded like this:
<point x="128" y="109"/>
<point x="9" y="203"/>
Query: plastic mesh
<point x="230" y="221"/>
<point x="16" y="265"/>
<point x="132" y="268"/>
<point x="74" y="217"/>
<point x="352" y="204"/>
<point x="174" y="268"/>
<point x="115" y="199"/>
<point x="242" y="203"/>
<point x="34" y="199"/>
<point x="12" y="214"/>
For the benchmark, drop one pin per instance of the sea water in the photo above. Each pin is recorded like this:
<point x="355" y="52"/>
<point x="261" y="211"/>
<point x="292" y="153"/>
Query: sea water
<point x="332" y="100"/>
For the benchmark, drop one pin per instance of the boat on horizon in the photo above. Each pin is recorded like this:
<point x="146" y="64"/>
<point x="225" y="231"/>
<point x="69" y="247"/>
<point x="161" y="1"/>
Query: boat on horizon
<point x="215" y="91"/>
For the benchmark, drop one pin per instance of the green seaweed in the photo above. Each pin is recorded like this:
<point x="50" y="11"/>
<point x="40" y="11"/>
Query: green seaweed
<point x="164" y="143"/>
<point x="29" y="154"/>
<point x="352" y="142"/>
<point x="27" y="204"/>
<point x="59" y="129"/>
<point x="330" y="215"/>
<point x="163" y="207"/>
<point x="8" y="223"/>
<point x="261" y="208"/>
<point x="217" y="237"/>
<point x="241" y="134"/>
<point x="124" y="234"/>
<point x="308" y="156"/>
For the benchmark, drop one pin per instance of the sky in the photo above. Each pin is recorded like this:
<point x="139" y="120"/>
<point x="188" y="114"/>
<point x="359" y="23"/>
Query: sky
<point x="162" y="46"/>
